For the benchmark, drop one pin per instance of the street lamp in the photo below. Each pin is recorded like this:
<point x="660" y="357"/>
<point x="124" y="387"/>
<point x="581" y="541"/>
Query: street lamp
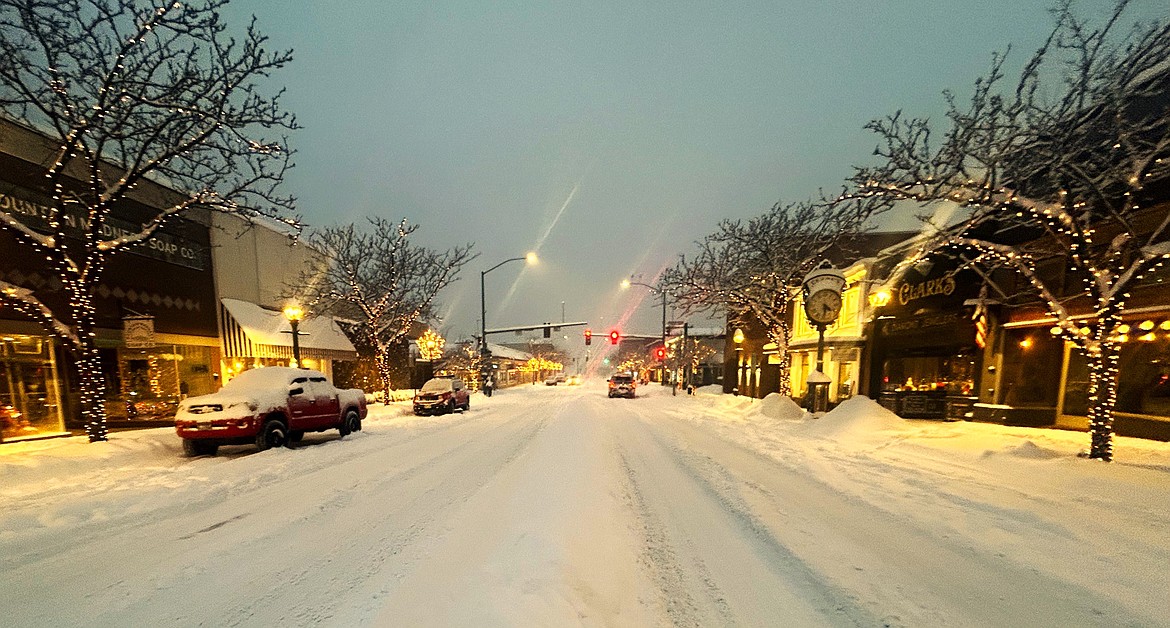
<point x="626" y="283"/>
<point x="737" y="337"/>
<point x="293" y="313"/>
<point x="530" y="259"/>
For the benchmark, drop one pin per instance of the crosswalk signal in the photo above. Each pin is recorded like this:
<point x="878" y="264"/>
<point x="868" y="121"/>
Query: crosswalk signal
<point x="614" y="336"/>
<point x="660" y="353"/>
<point x="588" y="336"/>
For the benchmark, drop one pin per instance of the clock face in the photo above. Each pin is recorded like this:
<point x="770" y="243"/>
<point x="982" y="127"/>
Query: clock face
<point x="823" y="306"/>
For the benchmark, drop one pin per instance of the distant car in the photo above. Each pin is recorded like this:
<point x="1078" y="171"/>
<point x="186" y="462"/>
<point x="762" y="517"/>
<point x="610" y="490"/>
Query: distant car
<point x="573" y="380"/>
<point x="271" y="407"/>
<point x="442" y="395"/>
<point x="551" y="380"/>
<point x="560" y="378"/>
<point x="622" y="386"/>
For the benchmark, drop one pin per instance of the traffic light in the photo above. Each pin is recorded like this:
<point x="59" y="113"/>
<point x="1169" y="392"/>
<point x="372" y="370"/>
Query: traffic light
<point x="614" y="336"/>
<point x="660" y="354"/>
<point x="588" y="336"/>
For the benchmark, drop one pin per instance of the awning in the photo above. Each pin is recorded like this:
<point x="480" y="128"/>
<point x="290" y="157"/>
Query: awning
<point x="251" y="331"/>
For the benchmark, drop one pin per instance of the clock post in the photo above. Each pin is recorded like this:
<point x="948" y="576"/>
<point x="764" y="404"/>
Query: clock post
<point x="822" y="305"/>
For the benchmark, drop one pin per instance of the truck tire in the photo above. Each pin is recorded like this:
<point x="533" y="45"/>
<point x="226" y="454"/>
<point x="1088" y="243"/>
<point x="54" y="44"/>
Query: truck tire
<point x="350" y="423"/>
<point x="273" y="434"/>
<point x="193" y="448"/>
<point x="451" y="407"/>
<point x="467" y="404"/>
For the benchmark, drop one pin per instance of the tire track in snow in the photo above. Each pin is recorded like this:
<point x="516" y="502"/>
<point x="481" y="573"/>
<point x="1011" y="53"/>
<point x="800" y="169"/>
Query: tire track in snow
<point x="909" y="574"/>
<point x="396" y="547"/>
<point x="658" y="557"/>
<point x="830" y="603"/>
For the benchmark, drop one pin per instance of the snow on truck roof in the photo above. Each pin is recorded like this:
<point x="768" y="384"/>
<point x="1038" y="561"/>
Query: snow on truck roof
<point x="269" y="377"/>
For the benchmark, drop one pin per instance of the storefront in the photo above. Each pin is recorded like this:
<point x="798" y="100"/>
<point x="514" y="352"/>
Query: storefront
<point x="146" y="383"/>
<point x="154" y="307"/>
<point x="926" y="359"/>
<point x="30" y="397"/>
<point x="1033" y="391"/>
<point x="255" y="337"/>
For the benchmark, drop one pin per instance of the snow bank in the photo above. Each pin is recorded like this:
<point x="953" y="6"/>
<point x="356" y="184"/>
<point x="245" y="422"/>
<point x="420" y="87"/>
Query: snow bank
<point x="857" y="417"/>
<point x="780" y="408"/>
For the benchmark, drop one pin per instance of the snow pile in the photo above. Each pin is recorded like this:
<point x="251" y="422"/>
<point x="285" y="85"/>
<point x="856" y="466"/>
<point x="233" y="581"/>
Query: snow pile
<point x="856" y="418"/>
<point x="1028" y="449"/>
<point x="779" y="408"/>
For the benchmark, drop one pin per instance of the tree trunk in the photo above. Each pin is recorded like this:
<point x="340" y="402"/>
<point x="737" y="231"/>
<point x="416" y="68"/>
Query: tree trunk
<point x="92" y="385"/>
<point x="383" y="360"/>
<point x="780" y="338"/>
<point x="1102" y="399"/>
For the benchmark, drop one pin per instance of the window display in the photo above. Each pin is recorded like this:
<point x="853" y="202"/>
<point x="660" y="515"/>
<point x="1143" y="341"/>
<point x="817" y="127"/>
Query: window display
<point x="30" y="402"/>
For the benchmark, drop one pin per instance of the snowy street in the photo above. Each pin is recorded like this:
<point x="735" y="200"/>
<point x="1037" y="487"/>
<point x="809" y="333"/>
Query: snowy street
<point x="555" y="506"/>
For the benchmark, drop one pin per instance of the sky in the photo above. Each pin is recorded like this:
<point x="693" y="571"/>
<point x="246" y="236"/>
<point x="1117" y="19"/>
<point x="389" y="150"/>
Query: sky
<point x="608" y="137"/>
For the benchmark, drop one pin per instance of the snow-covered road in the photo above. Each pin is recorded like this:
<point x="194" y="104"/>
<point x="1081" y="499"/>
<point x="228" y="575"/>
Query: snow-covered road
<point x="555" y="506"/>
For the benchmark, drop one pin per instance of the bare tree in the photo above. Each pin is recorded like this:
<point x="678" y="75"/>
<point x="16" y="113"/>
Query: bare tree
<point x="1064" y="170"/>
<point x="751" y="270"/>
<point x="684" y="355"/>
<point x="133" y="91"/>
<point x="380" y="280"/>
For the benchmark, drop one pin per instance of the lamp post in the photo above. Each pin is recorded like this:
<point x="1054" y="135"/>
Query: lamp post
<point x="626" y="283"/>
<point x="737" y="337"/>
<point x="293" y="313"/>
<point x="530" y="258"/>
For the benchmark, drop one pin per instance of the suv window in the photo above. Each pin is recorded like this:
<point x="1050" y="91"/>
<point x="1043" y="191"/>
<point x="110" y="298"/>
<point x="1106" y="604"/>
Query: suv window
<point x="622" y="379"/>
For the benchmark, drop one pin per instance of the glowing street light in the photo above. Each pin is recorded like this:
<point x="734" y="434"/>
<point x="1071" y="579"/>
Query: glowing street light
<point x="530" y="259"/>
<point x="294" y="314"/>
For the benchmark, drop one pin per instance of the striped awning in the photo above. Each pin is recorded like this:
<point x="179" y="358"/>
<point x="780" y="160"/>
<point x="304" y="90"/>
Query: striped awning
<point x="252" y="331"/>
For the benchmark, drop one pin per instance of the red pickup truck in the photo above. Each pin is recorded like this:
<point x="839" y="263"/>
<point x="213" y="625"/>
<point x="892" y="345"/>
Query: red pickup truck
<point x="271" y="407"/>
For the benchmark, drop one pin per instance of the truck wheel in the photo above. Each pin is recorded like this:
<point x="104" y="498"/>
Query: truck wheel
<point x="351" y="423"/>
<point x="451" y="407"/>
<point x="467" y="404"/>
<point x="193" y="448"/>
<point x="273" y="434"/>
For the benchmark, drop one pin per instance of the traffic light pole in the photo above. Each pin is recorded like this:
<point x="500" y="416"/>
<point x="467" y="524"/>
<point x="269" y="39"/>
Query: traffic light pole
<point x="662" y="364"/>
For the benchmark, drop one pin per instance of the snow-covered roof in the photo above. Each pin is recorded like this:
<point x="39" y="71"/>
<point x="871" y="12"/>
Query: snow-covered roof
<point x="500" y="351"/>
<point x="263" y="326"/>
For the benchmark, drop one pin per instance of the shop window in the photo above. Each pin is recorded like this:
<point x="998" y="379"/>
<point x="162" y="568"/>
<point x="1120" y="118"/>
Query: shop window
<point x="30" y="400"/>
<point x="1030" y="375"/>
<point x="1076" y="385"/>
<point x="955" y="374"/>
<point x="147" y="384"/>
<point x="1143" y="379"/>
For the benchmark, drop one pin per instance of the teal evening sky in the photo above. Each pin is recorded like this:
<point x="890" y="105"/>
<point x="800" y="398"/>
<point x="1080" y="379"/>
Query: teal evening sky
<point x="609" y="136"/>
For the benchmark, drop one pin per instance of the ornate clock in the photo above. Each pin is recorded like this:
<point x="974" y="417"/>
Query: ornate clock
<point x="823" y="306"/>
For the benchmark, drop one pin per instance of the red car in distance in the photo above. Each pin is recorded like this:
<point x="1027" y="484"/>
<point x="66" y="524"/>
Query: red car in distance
<point x="442" y="395"/>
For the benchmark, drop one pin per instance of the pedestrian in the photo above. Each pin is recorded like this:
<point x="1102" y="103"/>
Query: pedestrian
<point x="487" y="386"/>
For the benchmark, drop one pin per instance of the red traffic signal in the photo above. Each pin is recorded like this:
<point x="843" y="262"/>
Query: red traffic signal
<point x="614" y="336"/>
<point x="660" y="354"/>
<point x="588" y="336"/>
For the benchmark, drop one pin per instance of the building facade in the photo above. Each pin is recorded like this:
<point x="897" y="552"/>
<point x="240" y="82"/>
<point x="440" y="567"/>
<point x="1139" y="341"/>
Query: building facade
<point x="258" y="265"/>
<point x="155" y="307"/>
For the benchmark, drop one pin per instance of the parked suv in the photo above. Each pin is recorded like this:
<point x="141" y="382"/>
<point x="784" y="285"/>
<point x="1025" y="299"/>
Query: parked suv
<point x="622" y="386"/>
<point x="271" y="407"/>
<point x="442" y="395"/>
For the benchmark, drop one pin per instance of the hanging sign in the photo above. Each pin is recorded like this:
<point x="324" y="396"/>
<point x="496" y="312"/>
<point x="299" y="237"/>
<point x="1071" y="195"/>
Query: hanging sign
<point x="138" y="332"/>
